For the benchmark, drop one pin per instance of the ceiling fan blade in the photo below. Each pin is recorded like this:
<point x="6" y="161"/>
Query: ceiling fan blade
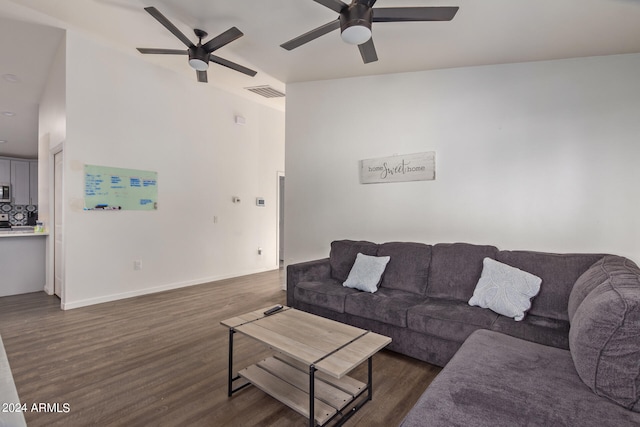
<point x="406" y="14"/>
<point x="163" y="51"/>
<point x="223" y="39"/>
<point x="311" y="35"/>
<point x="368" y="51"/>
<point x="168" y="25"/>
<point x="335" y="5"/>
<point x="232" y="65"/>
<point x="202" y="76"/>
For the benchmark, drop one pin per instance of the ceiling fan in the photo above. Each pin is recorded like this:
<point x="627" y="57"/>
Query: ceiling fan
<point x="356" y="18"/>
<point x="200" y="54"/>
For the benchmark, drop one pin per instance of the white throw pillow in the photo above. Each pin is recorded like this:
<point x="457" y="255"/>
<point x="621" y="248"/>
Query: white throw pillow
<point x="366" y="272"/>
<point x="504" y="289"/>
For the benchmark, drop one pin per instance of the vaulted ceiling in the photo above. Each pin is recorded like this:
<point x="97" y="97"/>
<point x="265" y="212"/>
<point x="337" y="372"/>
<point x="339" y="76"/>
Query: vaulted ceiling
<point x="482" y="33"/>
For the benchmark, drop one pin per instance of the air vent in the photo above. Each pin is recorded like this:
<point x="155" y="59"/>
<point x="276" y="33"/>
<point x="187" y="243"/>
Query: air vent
<point x="266" y="91"/>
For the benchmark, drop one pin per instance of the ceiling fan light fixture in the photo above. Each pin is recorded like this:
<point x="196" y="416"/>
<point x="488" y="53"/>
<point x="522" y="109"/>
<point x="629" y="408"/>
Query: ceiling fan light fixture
<point x="356" y="34"/>
<point x="198" y="58"/>
<point x="355" y="24"/>
<point x="198" y="64"/>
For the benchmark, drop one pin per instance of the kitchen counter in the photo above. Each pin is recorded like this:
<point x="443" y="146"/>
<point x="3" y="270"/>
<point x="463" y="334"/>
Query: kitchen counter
<point x="20" y="232"/>
<point x="22" y="261"/>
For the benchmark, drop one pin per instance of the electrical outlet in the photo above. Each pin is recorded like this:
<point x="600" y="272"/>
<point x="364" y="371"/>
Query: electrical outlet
<point x="137" y="264"/>
<point x="259" y="251"/>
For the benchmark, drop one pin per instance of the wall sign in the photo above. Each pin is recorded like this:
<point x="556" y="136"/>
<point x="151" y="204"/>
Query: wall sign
<point x="108" y="188"/>
<point x="408" y="167"/>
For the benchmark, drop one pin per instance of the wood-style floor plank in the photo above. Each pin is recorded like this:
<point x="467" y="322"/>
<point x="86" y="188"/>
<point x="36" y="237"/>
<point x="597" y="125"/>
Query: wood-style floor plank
<point x="161" y="360"/>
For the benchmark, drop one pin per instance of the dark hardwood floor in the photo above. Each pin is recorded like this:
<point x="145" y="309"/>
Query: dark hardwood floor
<point x="161" y="360"/>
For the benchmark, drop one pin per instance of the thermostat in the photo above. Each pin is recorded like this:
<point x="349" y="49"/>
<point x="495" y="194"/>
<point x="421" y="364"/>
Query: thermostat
<point x="260" y="201"/>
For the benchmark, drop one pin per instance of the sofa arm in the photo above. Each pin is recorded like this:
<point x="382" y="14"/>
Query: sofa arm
<point x="309" y="271"/>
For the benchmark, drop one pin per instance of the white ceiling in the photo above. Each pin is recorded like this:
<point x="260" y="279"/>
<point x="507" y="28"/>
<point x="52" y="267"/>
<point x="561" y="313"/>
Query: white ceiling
<point x="22" y="98"/>
<point x="482" y="33"/>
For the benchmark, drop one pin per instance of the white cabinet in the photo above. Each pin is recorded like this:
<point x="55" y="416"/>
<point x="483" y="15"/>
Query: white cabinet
<point x="20" y="182"/>
<point x="5" y="171"/>
<point x="33" y="182"/>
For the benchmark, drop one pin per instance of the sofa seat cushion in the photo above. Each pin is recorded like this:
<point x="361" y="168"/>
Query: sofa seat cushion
<point x="328" y="294"/>
<point x="541" y="330"/>
<point x="558" y="273"/>
<point x="455" y="269"/>
<point x="387" y="305"/>
<point x="343" y="254"/>
<point x="448" y="319"/>
<point x="408" y="268"/>
<point x="498" y="380"/>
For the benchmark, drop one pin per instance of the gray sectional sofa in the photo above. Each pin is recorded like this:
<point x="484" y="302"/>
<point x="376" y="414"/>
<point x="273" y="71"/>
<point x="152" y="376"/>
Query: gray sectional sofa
<point x="573" y="360"/>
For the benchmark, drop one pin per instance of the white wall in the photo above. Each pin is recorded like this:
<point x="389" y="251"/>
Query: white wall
<point x="124" y="112"/>
<point x="539" y="156"/>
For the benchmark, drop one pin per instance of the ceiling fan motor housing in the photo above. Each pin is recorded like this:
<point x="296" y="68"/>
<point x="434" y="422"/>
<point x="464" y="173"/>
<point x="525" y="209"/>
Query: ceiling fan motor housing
<point x="198" y="58"/>
<point x="356" y="18"/>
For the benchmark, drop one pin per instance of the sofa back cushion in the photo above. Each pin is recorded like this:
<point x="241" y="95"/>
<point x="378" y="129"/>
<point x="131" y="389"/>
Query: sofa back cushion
<point x="408" y="268"/>
<point x="558" y="273"/>
<point x="604" y="337"/>
<point x="343" y="255"/>
<point x="455" y="269"/>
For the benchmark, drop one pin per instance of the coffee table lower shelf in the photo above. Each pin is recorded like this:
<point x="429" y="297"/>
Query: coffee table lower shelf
<point x="287" y="380"/>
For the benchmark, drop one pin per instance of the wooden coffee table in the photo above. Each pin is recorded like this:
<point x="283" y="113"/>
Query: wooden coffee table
<point x="313" y="356"/>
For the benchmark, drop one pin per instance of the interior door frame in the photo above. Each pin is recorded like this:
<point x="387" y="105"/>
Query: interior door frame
<point x="59" y="148"/>
<point x="279" y="198"/>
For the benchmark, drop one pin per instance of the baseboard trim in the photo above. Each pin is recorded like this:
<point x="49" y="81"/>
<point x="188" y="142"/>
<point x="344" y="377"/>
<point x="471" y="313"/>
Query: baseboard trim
<point x="115" y="297"/>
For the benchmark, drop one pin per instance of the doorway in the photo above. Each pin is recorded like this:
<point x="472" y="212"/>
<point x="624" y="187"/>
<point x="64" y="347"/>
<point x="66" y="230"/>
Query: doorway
<point x="58" y="253"/>
<point x="281" y="219"/>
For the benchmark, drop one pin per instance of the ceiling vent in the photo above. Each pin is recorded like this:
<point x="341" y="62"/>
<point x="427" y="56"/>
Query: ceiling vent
<point x="266" y="91"/>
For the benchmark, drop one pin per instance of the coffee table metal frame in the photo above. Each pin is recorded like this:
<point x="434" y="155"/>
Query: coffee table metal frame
<point x="312" y="376"/>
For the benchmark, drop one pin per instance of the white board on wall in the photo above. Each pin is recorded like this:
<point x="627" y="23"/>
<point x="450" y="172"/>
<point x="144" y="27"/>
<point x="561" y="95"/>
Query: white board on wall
<point x="117" y="188"/>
